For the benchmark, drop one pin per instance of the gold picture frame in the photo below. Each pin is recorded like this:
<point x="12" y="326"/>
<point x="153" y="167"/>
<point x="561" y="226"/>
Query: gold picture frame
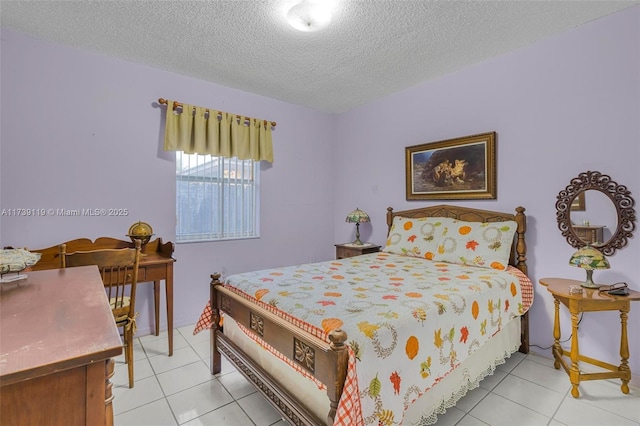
<point x="453" y="169"/>
<point x="578" y="204"/>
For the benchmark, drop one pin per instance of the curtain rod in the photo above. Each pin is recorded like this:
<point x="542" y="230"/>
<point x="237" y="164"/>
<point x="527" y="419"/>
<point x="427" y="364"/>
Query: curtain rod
<point x="177" y="105"/>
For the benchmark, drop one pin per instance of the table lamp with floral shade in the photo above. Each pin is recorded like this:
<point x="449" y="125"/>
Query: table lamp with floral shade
<point x="357" y="216"/>
<point x="589" y="258"/>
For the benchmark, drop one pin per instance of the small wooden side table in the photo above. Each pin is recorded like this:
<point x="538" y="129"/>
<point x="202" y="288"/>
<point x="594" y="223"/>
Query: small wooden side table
<point x="588" y="300"/>
<point x="590" y="234"/>
<point x="349" y="249"/>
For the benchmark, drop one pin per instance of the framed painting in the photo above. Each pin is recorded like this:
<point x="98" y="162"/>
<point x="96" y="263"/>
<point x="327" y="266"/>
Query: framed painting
<point x="578" y="203"/>
<point x="454" y="169"/>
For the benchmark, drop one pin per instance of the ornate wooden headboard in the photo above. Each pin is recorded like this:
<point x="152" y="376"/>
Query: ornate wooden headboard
<point x="519" y="251"/>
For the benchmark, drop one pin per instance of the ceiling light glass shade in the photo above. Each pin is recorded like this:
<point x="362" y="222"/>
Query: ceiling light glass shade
<point x="357" y="216"/>
<point x="589" y="258"/>
<point x="308" y="16"/>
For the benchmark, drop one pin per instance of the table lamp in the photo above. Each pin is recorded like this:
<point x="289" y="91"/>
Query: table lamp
<point x="589" y="258"/>
<point x="357" y="216"/>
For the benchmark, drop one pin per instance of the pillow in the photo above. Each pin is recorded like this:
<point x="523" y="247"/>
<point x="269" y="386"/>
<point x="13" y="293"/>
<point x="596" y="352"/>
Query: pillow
<point x="487" y="245"/>
<point x="417" y="237"/>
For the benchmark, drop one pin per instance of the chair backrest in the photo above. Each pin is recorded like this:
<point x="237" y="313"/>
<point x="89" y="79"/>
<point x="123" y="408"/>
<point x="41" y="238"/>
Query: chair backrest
<point x="118" y="268"/>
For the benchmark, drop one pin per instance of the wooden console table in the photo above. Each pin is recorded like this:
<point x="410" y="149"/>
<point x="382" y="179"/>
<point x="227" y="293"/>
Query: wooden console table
<point x="588" y="300"/>
<point x="156" y="264"/>
<point x="58" y="340"/>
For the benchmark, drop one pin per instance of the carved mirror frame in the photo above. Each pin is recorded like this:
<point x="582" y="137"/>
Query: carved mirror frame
<point x="618" y="194"/>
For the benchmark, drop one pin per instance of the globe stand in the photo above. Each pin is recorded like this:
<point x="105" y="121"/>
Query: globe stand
<point x="144" y="239"/>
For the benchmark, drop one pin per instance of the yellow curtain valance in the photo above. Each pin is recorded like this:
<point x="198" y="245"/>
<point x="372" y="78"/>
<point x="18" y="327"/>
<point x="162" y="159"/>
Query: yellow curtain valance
<point x="199" y="130"/>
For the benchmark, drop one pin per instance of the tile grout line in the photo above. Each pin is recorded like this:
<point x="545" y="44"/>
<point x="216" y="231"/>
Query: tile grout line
<point x="234" y="399"/>
<point x="191" y="344"/>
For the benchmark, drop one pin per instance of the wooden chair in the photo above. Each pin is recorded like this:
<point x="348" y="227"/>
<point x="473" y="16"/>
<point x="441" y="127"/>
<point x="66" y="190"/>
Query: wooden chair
<point x="119" y="269"/>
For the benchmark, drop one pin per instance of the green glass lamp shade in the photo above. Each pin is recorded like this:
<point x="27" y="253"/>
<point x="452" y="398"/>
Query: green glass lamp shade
<point x="357" y="216"/>
<point x="589" y="258"/>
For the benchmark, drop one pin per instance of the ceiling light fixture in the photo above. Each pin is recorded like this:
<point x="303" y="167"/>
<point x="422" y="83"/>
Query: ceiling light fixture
<point x="309" y="16"/>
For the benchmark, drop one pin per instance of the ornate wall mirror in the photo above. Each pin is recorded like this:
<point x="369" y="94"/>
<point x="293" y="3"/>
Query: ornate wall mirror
<point x="608" y="216"/>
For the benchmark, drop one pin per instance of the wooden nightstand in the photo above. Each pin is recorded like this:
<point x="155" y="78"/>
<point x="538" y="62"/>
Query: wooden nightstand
<point x="588" y="300"/>
<point x="349" y="250"/>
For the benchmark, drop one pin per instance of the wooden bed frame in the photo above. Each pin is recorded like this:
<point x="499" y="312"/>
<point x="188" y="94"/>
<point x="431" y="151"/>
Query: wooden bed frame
<point x="327" y="362"/>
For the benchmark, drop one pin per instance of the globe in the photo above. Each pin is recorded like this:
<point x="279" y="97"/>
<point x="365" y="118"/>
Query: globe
<point x="140" y="231"/>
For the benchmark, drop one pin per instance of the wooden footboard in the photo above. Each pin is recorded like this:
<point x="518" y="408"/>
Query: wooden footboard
<point x="327" y="362"/>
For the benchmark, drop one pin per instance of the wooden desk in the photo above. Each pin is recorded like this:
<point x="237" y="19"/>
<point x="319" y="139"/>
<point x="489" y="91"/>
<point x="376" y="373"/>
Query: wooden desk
<point x="588" y="300"/>
<point x="156" y="264"/>
<point x="58" y="340"/>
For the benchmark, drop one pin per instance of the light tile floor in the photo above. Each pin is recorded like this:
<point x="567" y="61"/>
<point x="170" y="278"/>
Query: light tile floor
<point x="180" y="390"/>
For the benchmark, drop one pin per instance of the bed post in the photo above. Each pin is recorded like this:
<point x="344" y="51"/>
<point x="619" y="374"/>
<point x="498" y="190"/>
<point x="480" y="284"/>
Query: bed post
<point x="521" y="246"/>
<point x="338" y="339"/>
<point x="215" y="321"/>
<point x="521" y="263"/>
<point x="389" y="219"/>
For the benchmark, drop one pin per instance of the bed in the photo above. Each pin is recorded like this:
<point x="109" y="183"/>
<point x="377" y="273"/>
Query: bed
<point x="394" y="337"/>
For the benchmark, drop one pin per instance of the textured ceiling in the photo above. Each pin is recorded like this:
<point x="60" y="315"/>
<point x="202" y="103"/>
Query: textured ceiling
<point x="372" y="48"/>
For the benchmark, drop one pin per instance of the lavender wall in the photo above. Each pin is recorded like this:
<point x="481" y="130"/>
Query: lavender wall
<point x="565" y="105"/>
<point x="84" y="131"/>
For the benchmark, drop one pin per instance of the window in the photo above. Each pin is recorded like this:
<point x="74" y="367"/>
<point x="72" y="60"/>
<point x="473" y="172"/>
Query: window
<point x="216" y="198"/>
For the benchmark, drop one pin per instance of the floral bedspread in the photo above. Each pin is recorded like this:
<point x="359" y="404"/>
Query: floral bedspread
<point x="409" y="321"/>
